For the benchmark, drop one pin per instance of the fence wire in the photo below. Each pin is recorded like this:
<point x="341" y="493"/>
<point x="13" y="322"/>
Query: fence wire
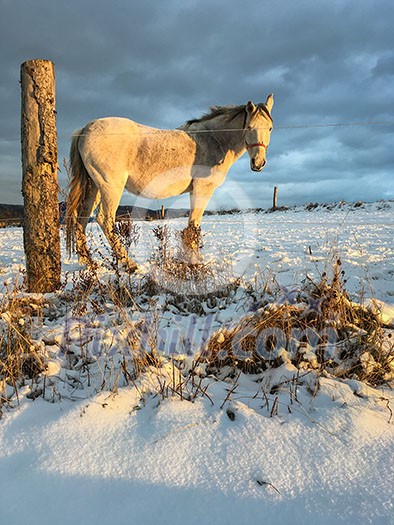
<point x="278" y="127"/>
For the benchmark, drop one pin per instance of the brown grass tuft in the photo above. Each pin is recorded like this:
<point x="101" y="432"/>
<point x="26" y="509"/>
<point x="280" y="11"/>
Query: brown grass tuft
<point x="323" y="330"/>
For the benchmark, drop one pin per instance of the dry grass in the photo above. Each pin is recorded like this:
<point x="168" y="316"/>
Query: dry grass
<point x="179" y="273"/>
<point x="20" y="357"/>
<point x="297" y="330"/>
<point x="322" y="330"/>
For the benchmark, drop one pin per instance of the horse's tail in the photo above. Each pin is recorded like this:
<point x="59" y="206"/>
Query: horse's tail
<point x="78" y="186"/>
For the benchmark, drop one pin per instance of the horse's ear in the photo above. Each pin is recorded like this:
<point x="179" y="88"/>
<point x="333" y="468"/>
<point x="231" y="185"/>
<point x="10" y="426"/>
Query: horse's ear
<point x="250" y="107"/>
<point x="269" y="102"/>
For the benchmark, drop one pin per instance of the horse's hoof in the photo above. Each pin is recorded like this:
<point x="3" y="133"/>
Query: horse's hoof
<point x="192" y="257"/>
<point x="87" y="262"/>
<point x="195" y="258"/>
<point x="131" y="267"/>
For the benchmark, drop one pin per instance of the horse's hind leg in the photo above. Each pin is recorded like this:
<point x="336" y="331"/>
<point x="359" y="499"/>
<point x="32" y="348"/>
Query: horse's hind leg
<point x="84" y="213"/>
<point x="106" y="220"/>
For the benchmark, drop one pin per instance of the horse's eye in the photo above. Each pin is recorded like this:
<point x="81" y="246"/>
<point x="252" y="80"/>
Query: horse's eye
<point x="270" y="129"/>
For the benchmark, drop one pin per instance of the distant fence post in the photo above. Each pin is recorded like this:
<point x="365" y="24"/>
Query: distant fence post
<point x="41" y="236"/>
<point x="162" y="212"/>
<point x="275" y="198"/>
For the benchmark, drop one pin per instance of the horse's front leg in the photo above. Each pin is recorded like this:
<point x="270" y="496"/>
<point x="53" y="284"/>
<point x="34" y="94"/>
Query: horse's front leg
<point x="200" y="195"/>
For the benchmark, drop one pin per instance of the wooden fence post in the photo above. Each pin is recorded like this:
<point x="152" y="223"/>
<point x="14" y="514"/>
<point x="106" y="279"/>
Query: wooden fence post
<point x="41" y="236"/>
<point x="275" y="198"/>
<point x="162" y="212"/>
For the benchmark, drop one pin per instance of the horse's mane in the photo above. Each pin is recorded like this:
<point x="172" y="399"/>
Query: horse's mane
<point x="229" y="112"/>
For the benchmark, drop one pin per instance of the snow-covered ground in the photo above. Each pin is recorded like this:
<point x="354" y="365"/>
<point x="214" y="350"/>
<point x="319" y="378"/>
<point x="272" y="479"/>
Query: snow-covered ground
<point x="312" y="450"/>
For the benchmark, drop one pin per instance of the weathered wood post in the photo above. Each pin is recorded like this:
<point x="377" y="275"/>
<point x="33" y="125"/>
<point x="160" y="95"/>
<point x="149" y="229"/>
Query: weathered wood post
<point x="41" y="236"/>
<point x="162" y="212"/>
<point x="275" y="198"/>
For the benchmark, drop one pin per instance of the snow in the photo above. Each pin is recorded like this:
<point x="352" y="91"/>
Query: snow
<point x="314" y="449"/>
<point x="100" y="461"/>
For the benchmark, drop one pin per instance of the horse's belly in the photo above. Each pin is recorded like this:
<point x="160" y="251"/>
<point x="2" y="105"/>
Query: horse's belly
<point x="159" y="186"/>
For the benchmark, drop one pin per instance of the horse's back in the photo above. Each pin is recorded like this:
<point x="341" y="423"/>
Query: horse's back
<point x="108" y="129"/>
<point x="119" y="132"/>
<point x="118" y="152"/>
<point x="118" y="139"/>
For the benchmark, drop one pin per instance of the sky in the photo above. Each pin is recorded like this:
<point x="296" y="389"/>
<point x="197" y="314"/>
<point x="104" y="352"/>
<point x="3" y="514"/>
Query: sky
<point x="164" y="62"/>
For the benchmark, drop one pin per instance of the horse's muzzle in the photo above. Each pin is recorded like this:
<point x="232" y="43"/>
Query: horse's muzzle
<point x="257" y="167"/>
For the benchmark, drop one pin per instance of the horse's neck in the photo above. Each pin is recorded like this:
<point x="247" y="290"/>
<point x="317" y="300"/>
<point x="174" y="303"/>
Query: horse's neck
<point x="229" y="136"/>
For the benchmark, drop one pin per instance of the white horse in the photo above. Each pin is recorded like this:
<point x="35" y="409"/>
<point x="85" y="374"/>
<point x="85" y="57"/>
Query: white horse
<point x="111" y="154"/>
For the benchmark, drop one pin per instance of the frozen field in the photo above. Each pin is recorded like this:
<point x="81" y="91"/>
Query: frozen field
<point x="287" y="244"/>
<point x="246" y="455"/>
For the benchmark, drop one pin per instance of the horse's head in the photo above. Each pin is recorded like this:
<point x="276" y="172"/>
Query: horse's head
<point x="258" y="127"/>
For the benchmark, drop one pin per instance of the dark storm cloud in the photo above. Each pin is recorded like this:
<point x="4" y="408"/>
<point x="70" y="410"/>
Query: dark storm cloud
<point x="384" y="66"/>
<point x="162" y="63"/>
